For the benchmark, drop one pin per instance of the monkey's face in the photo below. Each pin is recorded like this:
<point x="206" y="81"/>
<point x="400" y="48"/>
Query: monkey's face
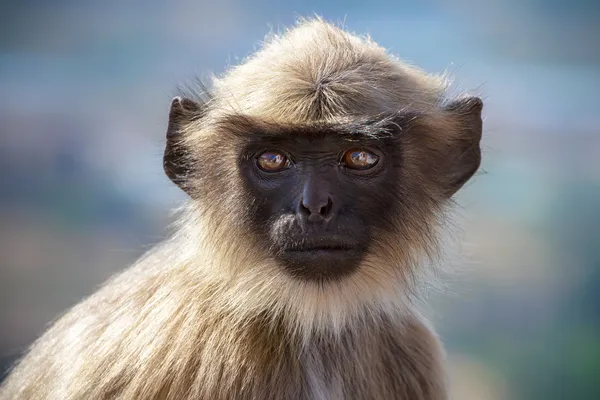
<point x="325" y="199"/>
<point x="317" y="196"/>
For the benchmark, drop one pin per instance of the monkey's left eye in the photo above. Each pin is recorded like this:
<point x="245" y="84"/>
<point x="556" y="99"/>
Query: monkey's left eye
<point x="273" y="161"/>
<point x="359" y="159"/>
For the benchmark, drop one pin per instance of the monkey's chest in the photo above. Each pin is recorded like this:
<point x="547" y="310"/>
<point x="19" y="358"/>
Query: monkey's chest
<point x="361" y="374"/>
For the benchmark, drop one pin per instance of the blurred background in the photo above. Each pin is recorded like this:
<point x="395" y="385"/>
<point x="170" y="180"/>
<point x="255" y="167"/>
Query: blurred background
<point x="84" y="94"/>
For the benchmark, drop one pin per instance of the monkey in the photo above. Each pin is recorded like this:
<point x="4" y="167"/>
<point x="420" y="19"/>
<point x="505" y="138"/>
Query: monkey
<point x="319" y="174"/>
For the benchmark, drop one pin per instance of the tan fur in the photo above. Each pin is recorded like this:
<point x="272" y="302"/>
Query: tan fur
<point x="207" y="315"/>
<point x="324" y="73"/>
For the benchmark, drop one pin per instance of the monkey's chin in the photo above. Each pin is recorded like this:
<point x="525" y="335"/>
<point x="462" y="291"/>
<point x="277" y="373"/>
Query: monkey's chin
<point x="321" y="265"/>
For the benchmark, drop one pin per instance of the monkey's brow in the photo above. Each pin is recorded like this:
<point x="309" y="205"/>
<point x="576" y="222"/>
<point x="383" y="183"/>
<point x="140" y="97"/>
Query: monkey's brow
<point x="370" y="130"/>
<point x="361" y="128"/>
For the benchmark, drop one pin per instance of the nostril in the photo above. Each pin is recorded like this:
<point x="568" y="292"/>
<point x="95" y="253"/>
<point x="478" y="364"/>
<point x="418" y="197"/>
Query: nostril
<point x="326" y="209"/>
<point x="304" y="208"/>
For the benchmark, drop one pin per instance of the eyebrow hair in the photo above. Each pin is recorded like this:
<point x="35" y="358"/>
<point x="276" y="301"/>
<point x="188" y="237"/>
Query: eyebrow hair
<point x="385" y="127"/>
<point x="379" y="127"/>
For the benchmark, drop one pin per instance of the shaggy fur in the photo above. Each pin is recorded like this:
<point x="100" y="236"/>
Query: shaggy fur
<point x="208" y="314"/>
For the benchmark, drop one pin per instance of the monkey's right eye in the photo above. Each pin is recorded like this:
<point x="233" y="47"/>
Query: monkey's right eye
<point x="273" y="161"/>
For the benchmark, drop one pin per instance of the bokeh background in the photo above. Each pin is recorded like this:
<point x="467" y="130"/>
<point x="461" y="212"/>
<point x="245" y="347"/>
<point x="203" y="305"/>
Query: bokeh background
<point x="84" y="93"/>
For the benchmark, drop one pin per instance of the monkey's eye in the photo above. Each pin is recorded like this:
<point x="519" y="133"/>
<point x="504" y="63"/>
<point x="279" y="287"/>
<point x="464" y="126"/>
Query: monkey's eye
<point x="359" y="159"/>
<point x="272" y="161"/>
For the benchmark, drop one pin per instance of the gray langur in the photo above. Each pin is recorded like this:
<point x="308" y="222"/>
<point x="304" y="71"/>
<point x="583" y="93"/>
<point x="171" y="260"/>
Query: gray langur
<point x="319" y="173"/>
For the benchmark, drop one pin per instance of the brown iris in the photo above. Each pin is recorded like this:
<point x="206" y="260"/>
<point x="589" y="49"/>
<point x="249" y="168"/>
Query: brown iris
<point x="359" y="159"/>
<point x="273" y="161"/>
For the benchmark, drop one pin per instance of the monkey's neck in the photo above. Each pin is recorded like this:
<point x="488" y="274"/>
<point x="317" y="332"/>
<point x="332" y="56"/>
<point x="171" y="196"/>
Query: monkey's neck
<point x="243" y="283"/>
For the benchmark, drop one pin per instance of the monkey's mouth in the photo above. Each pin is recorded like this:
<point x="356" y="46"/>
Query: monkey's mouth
<point x="328" y="248"/>
<point x="321" y="246"/>
<point x="319" y="260"/>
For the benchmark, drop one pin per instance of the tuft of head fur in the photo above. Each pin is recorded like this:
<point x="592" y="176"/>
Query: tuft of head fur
<point x="319" y="72"/>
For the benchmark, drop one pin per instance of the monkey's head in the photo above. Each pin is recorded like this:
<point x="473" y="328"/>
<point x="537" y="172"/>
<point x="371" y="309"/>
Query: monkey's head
<point x="325" y="159"/>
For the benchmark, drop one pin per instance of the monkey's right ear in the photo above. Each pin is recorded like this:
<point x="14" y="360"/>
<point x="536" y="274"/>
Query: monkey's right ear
<point x="177" y="161"/>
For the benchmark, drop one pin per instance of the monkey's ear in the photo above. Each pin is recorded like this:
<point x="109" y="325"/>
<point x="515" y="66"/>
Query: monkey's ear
<point x="462" y="152"/>
<point x="177" y="161"/>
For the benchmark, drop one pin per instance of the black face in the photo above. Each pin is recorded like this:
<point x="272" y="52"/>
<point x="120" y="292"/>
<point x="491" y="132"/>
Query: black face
<point x="317" y="196"/>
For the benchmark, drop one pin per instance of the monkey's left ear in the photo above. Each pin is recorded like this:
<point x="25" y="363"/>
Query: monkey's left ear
<point x="177" y="161"/>
<point x="462" y="154"/>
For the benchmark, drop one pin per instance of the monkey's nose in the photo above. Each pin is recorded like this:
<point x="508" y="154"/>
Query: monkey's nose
<point x="315" y="209"/>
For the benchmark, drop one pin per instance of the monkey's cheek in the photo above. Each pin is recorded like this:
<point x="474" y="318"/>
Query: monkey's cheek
<point x="321" y="265"/>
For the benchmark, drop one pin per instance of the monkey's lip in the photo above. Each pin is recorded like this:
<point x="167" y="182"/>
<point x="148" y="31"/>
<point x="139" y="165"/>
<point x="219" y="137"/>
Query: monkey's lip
<point x="318" y="258"/>
<point x="319" y="248"/>
<point x="322" y="246"/>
